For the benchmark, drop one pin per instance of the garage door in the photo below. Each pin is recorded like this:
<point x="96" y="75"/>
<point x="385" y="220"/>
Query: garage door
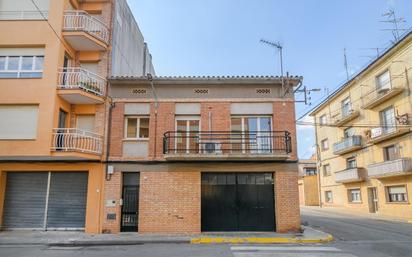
<point x="45" y="200"/>
<point x="237" y="202"/>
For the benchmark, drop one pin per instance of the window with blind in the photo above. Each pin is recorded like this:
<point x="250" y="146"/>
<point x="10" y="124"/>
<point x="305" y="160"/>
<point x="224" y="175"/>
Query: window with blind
<point x="18" y="121"/>
<point x="396" y="194"/>
<point x="383" y="81"/>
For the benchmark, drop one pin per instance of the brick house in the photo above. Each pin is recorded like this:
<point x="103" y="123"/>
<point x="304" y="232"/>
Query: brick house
<point x="195" y="154"/>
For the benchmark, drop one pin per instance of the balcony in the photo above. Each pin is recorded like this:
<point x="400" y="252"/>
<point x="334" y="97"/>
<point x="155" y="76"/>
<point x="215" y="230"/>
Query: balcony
<point x="344" y="117"/>
<point x="349" y="175"/>
<point x="402" y="166"/>
<point x="226" y="145"/>
<point x="84" y="32"/>
<point x="347" y="145"/>
<point x="378" y="96"/>
<point x="76" y="140"/>
<point x="380" y="134"/>
<point x="79" y="86"/>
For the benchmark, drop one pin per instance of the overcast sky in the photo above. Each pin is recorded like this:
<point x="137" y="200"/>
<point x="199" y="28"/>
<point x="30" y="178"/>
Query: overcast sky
<point x="221" y="37"/>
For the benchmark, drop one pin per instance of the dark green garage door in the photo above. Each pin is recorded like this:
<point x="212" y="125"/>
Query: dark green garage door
<point x="238" y="202"/>
<point x="31" y="196"/>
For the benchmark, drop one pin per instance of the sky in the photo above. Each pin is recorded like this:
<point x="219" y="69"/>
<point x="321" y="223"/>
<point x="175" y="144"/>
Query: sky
<point x="221" y="37"/>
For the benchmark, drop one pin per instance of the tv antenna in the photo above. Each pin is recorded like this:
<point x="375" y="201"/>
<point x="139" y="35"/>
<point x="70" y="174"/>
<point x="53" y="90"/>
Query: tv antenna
<point x="395" y="21"/>
<point x="280" y="49"/>
<point x="345" y="62"/>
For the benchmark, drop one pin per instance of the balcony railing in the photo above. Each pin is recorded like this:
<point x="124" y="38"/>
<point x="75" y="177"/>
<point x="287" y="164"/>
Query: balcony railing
<point x="23" y="15"/>
<point x="344" y="116"/>
<point x="379" y="134"/>
<point x="76" y="140"/>
<point x="379" y="95"/>
<point x="82" y="21"/>
<point x="347" y="144"/>
<point x="78" y="78"/>
<point x="390" y="168"/>
<point x="349" y="175"/>
<point x="225" y="143"/>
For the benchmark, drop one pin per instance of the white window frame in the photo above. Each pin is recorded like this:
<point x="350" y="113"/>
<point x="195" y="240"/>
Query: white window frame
<point x="258" y="117"/>
<point x="354" y="192"/>
<point x="126" y="123"/>
<point x="322" y="143"/>
<point x="187" y="119"/>
<point x="323" y="120"/>
<point x="388" y="85"/>
<point x="19" y="70"/>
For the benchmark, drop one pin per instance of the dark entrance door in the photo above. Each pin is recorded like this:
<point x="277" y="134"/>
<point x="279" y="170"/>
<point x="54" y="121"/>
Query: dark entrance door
<point x="238" y="202"/>
<point x="130" y="207"/>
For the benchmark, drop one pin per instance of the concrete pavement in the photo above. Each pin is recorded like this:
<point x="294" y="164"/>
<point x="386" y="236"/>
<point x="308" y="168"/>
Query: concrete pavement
<point x="361" y="235"/>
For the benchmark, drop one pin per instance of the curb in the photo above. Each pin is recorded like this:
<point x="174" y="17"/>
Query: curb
<point x="118" y="242"/>
<point x="260" y="240"/>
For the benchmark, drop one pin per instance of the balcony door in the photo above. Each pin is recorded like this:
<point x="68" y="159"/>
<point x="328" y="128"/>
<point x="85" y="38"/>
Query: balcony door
<point x="346" y="107"/>
<point x="60" y="133"/>
<point x="251" y="134"/>
<point x="187" y="136"/>
<point x="388" y="120"/>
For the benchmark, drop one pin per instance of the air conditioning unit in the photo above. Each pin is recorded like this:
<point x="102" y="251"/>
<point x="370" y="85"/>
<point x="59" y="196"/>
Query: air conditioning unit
<point x="212" y="148"/>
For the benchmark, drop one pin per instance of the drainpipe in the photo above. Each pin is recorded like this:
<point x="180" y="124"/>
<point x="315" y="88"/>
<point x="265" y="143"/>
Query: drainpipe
<point x="318" y="161"/>
<point x="109" y="130"/>
<point x="156" y="106"/>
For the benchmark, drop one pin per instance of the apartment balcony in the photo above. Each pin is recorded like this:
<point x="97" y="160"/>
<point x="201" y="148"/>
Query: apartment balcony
<point x="402" y="166"/>
<point x="76" y="140"/>
<point x="347" y="145"/>
<point x="79" y="86"/>
<point x="349" y="175"/>
<point x="226" y="145"/>
<point x="344" y="117"/>
<point x="378" y="96"/>
<point x="84" y="32"/>
<point x="380" y="134"/>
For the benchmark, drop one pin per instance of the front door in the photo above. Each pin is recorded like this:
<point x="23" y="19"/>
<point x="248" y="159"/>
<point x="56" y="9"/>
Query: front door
<point x="130" y="207"/>
<point x="373" y="199"/>
<point x="237" y="202"/>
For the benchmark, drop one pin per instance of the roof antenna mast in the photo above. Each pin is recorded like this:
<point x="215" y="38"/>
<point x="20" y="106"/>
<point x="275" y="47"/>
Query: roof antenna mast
<point x="280" y="49"/>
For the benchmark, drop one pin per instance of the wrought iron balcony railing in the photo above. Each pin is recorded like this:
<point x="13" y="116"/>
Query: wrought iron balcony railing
<point x="78" y="78"/>
<point x="76" y="140"/>
<point x="82" y="21"/>
<point x="227" y="142"/>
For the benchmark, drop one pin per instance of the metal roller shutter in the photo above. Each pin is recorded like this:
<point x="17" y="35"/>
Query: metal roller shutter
<point x="67" y="200"/>
<point x="24" y="203"/>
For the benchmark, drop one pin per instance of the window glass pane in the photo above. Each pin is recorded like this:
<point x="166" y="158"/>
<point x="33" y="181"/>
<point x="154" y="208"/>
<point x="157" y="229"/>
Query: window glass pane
<point x="383" y="81"/>
<point x="2" y="62"/>
<point x="144" y="128"/>
<point x="31" y="74"/>
<point x="13" y="63"/>
<point x="265" y="124"/>
<point x="8" y="74"/>
<point x="27" y="63"/>
<point x="38" y="62"/>
<point x="131" y="127"/>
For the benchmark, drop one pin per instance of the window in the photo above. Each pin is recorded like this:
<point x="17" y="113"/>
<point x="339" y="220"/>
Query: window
<point x="186" y="139"/>
<point x="322" y="119"/>
<point x="21" y="66"/>
<point x="346" y="107"/>
<point x="351" y="162"/>
<point x="396" y="194"/>
<point x="326" y="170"/>
<point x="311" y="171"/>
<point x="328" y="196"/>
<point x="391" y="153"/>
<point x="348" y="132"/>
<point x="137" y="127"/>
<point x="388" y="120"/>
<point x="383" y="81"/>
<point x="324" y="144"/>
<point x="354" y="195"/>
<point x="251" y="134"/>
<point x="85" y="122"/>
<point x="18" y="121"/>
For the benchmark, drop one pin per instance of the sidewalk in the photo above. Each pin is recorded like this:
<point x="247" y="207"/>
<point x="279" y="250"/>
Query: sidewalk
<point x="63" y="238"/>
<point x="347" y="211"/>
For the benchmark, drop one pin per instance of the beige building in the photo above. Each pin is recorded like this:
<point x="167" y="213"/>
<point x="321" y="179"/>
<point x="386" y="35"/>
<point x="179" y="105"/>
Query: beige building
<point x="308" y="182"/>
<point x="364" y="138"/>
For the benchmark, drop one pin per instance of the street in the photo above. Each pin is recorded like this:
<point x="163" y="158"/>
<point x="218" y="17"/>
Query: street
<point x="354" y="236"/>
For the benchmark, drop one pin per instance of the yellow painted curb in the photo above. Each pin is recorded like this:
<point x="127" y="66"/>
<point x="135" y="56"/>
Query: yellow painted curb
<point x="259" y="240"/>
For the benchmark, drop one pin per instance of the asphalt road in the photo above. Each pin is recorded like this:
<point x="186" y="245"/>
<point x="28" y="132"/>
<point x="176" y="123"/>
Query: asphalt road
<point x="354" y="236"/>
<point x="362" y="236"/>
